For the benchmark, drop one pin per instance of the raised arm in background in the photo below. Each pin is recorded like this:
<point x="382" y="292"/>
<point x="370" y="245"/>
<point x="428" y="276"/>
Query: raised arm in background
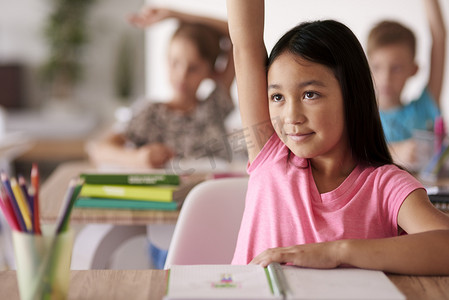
<point x="438" y="50"/>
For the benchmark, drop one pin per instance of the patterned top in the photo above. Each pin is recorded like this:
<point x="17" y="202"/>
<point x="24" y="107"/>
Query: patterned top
<point x="399" y="124"/>
<point x="200" y="133"/>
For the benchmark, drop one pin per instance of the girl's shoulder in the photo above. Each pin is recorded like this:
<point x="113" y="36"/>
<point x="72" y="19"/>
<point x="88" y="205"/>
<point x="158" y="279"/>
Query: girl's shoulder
<point x="390" y="175"/>
<point x="276" y="154"/>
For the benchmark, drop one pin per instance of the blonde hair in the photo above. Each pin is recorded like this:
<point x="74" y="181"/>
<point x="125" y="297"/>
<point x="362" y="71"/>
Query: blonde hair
<point x="388" y="33"/>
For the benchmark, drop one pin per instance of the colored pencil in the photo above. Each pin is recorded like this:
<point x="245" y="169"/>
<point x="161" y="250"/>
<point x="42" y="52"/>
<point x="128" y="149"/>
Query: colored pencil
<point x="24" y="187"/>
<point x="23" y="204"/>
<point x="64" y="211"/>
<point x="7" y="185"/>
<point x="35" y="184"/>
<point x="66" y="219"/>
<point x="8" y="211"/>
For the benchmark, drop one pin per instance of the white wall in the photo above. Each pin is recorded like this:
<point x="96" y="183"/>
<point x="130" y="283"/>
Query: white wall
<point x="22" y="40"/>
<point x="281" y="15"/>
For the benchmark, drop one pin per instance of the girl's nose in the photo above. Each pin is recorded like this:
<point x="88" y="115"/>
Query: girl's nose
<point x="293" y="113"/>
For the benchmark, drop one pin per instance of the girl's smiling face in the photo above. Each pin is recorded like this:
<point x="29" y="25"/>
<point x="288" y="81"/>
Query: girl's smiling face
<point x="306" y="107"/>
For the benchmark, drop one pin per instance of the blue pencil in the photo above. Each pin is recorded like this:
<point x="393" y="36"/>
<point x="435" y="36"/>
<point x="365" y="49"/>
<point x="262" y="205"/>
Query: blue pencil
<point x="15" y="205"/>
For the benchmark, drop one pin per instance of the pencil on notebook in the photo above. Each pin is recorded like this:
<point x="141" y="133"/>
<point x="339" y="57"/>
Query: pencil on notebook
<point x="7" y="185"/>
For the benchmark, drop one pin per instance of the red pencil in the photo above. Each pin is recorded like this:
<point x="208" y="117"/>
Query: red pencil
<point x="8" y="212"/>
<point x="35" y="184"/>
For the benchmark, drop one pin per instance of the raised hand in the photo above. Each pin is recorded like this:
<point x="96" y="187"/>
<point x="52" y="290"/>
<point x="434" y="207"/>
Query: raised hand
<point x="149" y="16"/>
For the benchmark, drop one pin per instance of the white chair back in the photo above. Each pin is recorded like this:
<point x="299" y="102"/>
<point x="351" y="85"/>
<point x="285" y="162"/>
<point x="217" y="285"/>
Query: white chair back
<point x="208" y="224"/>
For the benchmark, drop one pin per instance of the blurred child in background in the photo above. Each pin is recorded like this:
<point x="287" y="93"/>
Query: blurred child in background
<point x="184" y="126"/>
<point x="391" y="53"/>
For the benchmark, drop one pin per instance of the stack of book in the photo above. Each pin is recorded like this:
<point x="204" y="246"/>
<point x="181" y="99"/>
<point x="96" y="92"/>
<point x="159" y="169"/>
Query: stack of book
<point x="134" y="191"/>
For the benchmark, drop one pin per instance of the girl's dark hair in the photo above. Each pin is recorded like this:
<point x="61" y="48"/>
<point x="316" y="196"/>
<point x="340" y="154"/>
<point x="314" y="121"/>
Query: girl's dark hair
<point x="333" y="44"/>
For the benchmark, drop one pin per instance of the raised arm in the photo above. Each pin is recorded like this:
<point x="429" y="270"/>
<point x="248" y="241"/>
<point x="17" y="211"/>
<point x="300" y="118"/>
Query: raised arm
<point x="151" y="15"/>
<point x="246" y="25"/>
<point x="437" y="54"/>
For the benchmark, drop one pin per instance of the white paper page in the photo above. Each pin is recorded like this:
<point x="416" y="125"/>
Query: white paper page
<point x="209" y="282"/>
<point x="342" y="283"/>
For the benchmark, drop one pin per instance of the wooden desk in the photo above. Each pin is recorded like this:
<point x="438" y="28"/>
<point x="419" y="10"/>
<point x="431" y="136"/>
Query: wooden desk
<point x="53" y="191"/>
<point x="150" y="284"/>
<point x="55" y="150"/>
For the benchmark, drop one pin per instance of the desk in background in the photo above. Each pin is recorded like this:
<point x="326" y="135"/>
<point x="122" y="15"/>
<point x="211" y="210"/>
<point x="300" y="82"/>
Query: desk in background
<point x="150" y="285"/>
<point x="57" y="132"/>
<point x="437" y="197"/>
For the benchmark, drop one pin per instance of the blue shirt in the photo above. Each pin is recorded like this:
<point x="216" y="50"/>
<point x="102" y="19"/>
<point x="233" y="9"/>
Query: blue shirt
<point x="399" y="123"/>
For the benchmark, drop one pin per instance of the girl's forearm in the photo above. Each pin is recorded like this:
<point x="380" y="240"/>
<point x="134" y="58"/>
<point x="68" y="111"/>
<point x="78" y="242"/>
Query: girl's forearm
<point x="424" y="253"/>
<point x="220" y="25"/>
<point x="246" y="25"/>
<point x="110" y="153"/>
<point x="438" y="49"/>
<point x="246" y="22"/>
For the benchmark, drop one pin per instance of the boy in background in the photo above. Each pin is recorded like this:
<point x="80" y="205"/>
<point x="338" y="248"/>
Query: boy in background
<point x="391" y="53"/>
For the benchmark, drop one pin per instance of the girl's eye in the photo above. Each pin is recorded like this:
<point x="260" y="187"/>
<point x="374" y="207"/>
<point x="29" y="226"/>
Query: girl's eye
<point x="277" y="97"/>
<point x="310" y="95"/>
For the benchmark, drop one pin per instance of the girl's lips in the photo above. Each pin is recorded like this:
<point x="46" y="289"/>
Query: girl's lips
<point x="299" y="137"/>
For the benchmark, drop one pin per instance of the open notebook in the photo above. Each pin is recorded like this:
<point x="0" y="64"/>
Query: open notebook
<point x="276" y="282"/>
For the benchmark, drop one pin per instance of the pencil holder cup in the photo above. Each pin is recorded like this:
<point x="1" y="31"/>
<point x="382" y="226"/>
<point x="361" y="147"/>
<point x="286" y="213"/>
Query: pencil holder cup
<point x="43" y="264"/>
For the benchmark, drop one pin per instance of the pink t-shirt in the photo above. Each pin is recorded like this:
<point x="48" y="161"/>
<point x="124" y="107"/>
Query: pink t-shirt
<point x="284" y="208"/>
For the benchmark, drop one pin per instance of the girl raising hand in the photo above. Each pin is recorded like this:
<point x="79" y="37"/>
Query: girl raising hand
<point x="323" y="190"/>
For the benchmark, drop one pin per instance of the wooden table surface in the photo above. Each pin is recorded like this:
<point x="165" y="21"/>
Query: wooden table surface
<point x="150" y="285"/>
<point x="53" y="191"/>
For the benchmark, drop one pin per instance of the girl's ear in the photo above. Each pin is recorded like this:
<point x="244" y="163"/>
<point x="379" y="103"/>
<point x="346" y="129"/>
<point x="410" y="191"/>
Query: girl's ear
<point x="214" y="74"/>
<point x="415" y="69"/>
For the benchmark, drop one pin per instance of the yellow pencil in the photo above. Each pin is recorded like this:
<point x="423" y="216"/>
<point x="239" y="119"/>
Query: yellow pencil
<point x="23" y="206"/>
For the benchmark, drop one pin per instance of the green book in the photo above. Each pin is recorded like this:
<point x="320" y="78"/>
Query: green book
<point x="132" y="192"/>
<point x="130" y="179"/>
<point x="87" y="202"/>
